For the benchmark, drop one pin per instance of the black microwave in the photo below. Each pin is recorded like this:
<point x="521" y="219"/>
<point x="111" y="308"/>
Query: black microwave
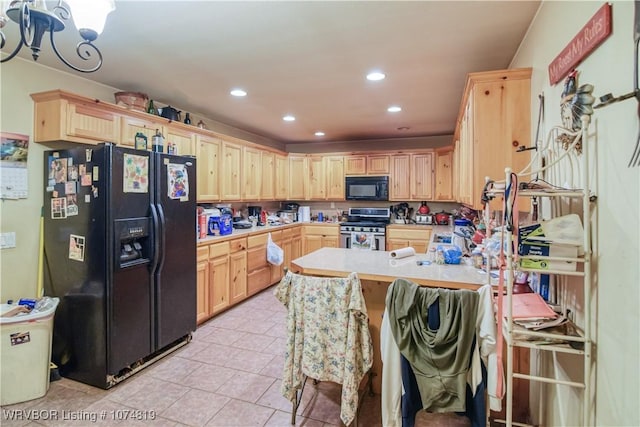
<point x="366" y="188"/>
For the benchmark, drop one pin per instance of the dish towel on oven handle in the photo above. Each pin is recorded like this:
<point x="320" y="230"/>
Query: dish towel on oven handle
<point x="363" y="241"/>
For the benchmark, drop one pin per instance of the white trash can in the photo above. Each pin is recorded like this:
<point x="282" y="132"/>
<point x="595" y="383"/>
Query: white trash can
<point x="25" y="352"/>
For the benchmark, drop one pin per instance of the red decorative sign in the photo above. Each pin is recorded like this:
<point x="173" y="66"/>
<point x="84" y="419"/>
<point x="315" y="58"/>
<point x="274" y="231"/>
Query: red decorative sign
<point x="590" y="36"/>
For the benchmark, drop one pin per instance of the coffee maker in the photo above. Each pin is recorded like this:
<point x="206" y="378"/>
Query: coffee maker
<point x="255" y="212"/>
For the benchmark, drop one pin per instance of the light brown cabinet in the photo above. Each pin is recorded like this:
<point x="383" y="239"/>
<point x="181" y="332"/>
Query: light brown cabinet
<point x="297" y="173"/>
<point x="130" y="126"/>
<point x="268" y="173"/>
<point x="417" y="237"/>
<point x="231" y="165"/>
<point x="183" y="140"/>
<point x="237" y="270"/>
<point x="378" y="164"/>
<point x="444" y="174"/>
<point x="421" y="176"/>
<point x="291" y="245"/>
<point x="62" y="116"/>
<point x="282" y="177"/>
<point x="355" y="165"/>
<point x="203" y="309"/>
<point x="212" y="283"/>
<point x="258" y="269"/>
<point x="316" y="178"/>
<point x="315" y="237"/>
<point x="369" y="164"/>
<point x="334" y="166"/>
<point x="208" y="168"/>
<point x="251" y="173"/>
<point x="494" y="121"/>
<point x="399" y="181"/>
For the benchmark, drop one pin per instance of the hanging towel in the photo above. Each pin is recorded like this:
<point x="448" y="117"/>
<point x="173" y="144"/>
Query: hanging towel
<point x="362" y="241"/>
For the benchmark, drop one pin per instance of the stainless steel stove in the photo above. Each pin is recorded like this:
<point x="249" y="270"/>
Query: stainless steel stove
<point x="365" y="229"/>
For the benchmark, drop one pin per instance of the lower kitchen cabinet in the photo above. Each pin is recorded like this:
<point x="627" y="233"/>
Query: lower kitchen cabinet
<point x="417" y="237"/>
<point x="237" y="270"/>
<point x="260" y="273"/>
<point x="291" y="245"/>
<point x="222" y="277"/>
<point x="320" y="236"/>
<point x="202" y="285"/>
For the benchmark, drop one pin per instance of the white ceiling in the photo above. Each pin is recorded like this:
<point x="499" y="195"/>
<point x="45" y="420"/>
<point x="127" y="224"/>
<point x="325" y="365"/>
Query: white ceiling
<point x="308" y="59"/>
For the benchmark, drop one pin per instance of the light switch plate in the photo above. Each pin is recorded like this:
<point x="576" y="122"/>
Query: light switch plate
<point x="8" y="240"/>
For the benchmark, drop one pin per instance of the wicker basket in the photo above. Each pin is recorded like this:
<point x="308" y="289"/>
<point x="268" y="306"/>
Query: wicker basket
<point x="132" y="100"/>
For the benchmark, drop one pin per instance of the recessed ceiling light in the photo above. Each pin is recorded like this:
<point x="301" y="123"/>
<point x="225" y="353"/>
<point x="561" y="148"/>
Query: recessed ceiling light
<point x="376" y="75"/>
<point x="319" y="133"/>
<point x="394" y="109"/>
<point x="288" y="118"/>
<point x="238" y="92"/>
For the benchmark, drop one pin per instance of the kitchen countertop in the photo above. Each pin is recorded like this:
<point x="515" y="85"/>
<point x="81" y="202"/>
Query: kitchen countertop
<point x="379" y="266"/>
<point x="244" y="232"/>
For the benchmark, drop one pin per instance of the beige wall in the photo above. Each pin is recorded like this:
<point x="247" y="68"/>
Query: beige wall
<point x="616" y="232"/>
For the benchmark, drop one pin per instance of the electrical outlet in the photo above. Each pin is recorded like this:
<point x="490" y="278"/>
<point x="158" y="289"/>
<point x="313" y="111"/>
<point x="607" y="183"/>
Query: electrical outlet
<point x="8" y="240"/>
<point x="333" y="205"/>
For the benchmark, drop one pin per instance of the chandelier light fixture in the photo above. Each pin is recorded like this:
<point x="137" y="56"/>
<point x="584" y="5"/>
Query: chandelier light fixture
<point x="34" y="20"/>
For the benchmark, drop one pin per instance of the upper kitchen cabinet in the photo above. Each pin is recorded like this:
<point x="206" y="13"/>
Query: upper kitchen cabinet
<point x="208" y="167"/>
<point x="231" y="167"/>
<point x="444" y="174"/>
<point x="355" y="165"/>
<point x="378" y="164"/>
<point x="421" y="176"/>
<point x="371" y="164"/>
<point x="334" y="167"/>
<point x="317" y="178"/>
<point x="400" y="181"/>
<point x="182" y="139"/>
<point x="282" y="177"/>
<point x="297" y="173"/>
<point x="62" y="116"/>
<point x="251" y="173"/>
<point x="267" y="191"/>
<point x="494" y="121"/>
<point x="130" y="126"/>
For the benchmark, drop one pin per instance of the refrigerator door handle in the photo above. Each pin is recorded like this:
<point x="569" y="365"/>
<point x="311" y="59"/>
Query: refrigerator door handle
<point x="162" y="226"/>
<point x="156" y="238"/>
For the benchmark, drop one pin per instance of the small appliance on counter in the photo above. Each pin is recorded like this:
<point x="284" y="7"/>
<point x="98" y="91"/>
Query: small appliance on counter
<point x="255" y="214"/>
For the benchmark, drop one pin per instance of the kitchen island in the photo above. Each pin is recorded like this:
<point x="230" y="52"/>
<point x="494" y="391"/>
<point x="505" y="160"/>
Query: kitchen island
<point x="376" y="270"/>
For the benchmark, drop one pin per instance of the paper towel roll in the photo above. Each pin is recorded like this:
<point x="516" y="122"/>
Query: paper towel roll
<point x="395" y="262"/>
<point x="403" y="252"/>
<point x="304" y="214"/>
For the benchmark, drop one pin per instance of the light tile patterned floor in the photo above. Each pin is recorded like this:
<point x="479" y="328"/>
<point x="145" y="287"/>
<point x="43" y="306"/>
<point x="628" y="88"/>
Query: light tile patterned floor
<point x="228" y="375"/>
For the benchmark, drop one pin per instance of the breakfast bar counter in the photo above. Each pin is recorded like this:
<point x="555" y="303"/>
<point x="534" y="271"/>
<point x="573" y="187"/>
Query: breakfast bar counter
<point x="376" y="270"/>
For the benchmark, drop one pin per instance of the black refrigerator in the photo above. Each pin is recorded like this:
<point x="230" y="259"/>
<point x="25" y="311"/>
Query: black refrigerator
<point x="120" y="252"/>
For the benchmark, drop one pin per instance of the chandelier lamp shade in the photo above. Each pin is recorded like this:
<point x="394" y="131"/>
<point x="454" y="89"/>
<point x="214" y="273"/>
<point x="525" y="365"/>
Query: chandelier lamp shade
<point x="35" y="20"/>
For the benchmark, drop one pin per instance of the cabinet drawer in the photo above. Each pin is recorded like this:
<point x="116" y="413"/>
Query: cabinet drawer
<point x="258" y="240"/>
<point x="321" y="230"/>
<point x="409" y="233"/>
<point x="219" y="249"/>
<point x="237" y="245"/>
<point x="290" y="232"/>
<point x="203" y="253"/>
